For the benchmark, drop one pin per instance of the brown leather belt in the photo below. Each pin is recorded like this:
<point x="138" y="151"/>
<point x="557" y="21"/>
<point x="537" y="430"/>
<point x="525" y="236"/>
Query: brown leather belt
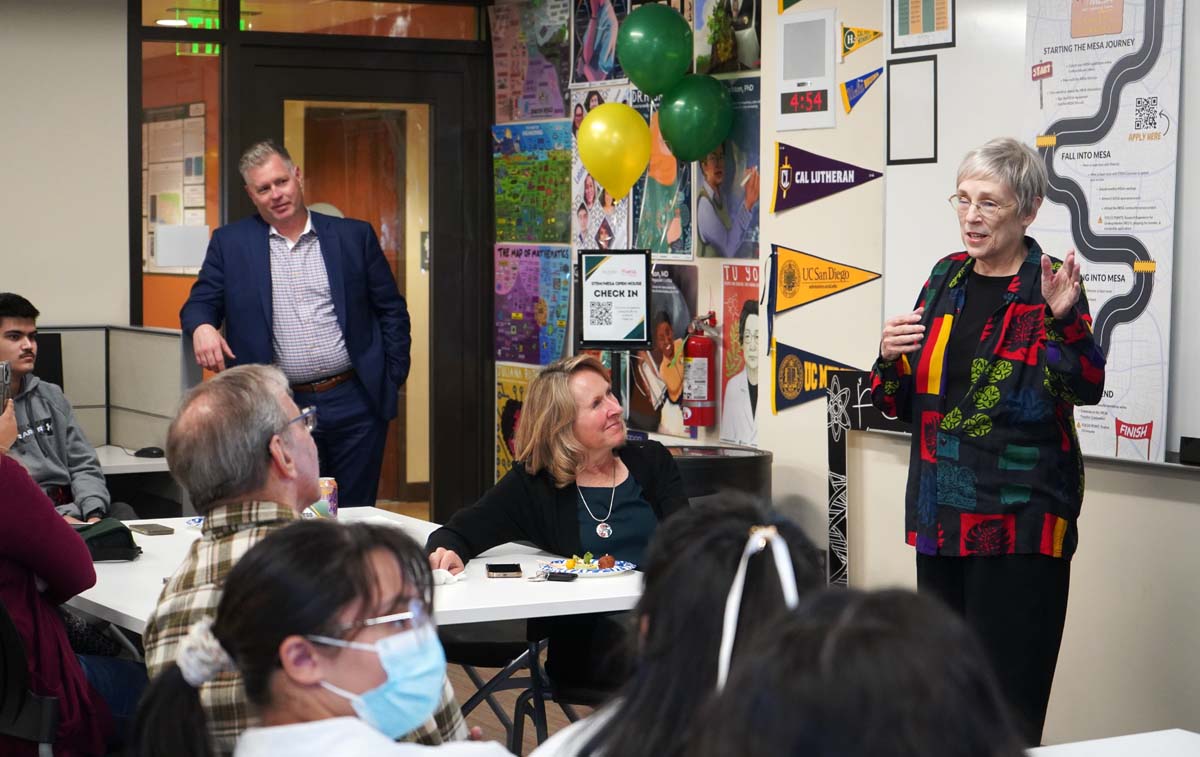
<point x="325" y="384"/>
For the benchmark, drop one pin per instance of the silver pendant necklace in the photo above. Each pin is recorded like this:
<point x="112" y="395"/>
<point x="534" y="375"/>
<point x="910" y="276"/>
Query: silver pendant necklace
<point x="603" y="530"/>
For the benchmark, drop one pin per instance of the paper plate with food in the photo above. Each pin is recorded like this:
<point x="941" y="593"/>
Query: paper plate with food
<point x="589" y="566"/>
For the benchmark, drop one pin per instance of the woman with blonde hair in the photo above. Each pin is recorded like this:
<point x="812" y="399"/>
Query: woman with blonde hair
<point x="576" y="487"/>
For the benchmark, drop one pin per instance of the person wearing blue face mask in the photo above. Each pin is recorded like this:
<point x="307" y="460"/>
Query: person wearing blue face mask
<point x="329" y="625"/>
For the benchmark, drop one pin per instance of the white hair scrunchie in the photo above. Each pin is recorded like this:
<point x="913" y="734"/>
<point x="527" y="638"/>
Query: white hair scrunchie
<point x="201" y="656"/>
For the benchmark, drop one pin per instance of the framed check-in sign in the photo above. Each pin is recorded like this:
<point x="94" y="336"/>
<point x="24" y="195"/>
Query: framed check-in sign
<point x="612" y="297"/>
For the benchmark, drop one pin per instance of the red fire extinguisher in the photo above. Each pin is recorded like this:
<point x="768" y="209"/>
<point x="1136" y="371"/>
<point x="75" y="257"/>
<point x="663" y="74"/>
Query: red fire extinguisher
<point x="700" y="373"/>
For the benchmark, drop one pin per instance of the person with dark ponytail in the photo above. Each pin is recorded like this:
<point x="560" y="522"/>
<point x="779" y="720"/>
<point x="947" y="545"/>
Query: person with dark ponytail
<point x="861" y="674"/>
<point x="330" y="626"/>
<point x="707" y="589"/>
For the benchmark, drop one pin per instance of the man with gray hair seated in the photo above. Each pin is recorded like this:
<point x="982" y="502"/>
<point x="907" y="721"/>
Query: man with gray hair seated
<point x="215" y="448"/>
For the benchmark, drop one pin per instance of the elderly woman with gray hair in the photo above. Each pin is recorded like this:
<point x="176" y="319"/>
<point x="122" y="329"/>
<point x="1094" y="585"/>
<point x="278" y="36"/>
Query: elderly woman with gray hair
<point x="988" y="368"/>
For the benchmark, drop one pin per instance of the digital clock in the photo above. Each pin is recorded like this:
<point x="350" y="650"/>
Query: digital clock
<point x="806" y="101"/>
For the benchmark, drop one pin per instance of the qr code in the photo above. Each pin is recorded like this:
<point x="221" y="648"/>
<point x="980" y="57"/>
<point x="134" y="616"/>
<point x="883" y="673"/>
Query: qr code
<point x="602" y="313"/>
<point x="1145" y="113"/>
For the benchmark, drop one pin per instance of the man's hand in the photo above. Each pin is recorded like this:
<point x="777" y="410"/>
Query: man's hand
<point x="94" y="519"/>
<point x="210" y="348"/>
<point x="72" y="520"/>
<point x="1060" y="289"/>
<point x="8" y="427"/>
<point x="446" y="559"/>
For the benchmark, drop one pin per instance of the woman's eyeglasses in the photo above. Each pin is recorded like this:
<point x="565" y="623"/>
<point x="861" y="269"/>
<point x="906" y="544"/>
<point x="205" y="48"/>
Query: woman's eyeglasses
<point x="987" y="208"/>
<point x="415" y="617"/>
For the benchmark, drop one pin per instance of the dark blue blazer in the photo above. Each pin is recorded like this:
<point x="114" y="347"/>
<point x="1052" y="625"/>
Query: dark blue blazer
<point x="234" y="289"/>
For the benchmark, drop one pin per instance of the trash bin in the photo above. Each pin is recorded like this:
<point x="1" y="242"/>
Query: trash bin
<point x="709" y="470"/>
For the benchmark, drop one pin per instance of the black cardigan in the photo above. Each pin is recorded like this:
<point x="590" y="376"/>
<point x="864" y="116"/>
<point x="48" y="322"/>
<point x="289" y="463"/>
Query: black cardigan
<point x="521" y="507"/>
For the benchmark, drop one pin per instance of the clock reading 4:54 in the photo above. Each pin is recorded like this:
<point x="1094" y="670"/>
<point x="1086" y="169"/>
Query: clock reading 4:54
<point x="807" y="101"/>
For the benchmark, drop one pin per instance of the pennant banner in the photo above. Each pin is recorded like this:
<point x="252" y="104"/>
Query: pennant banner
<point x="799" y="278"/>
<point x="853" y="90"/>
<point x="803" y="176"/>
<point x="854" y="38"/>
<point x="799" y="376"/>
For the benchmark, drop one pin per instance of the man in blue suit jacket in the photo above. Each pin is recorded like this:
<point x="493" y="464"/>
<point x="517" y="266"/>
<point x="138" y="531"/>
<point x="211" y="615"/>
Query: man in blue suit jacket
<point x="313" y="295"/>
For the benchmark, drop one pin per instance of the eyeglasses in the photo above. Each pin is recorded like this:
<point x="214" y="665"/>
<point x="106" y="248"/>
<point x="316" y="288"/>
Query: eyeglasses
<point x="415" y="617"/>
<point x="987" y="208"/>
<point x="308" y="416"/>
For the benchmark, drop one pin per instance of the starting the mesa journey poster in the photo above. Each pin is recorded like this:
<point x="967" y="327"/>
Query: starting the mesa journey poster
<point x="1103" y="85"/>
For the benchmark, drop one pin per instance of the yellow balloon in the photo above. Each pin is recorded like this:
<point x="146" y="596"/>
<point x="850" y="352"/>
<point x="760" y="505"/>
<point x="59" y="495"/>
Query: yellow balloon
<point x="614" y="145"/>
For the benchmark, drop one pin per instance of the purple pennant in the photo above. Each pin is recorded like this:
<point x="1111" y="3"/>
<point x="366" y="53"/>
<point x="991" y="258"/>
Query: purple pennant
<point x="803" y="176"/>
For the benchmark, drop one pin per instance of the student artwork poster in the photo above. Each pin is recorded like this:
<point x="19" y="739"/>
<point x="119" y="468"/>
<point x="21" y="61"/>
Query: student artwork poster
<point x="532" y="302"/>
<point x="728" y="36"/>
<point x="727" y="182"/>
<point x="511" y="382"/>
<point x="741" y="352"/>
<point x="662" y="199"/>
<point x="531" y="167"/>
<point x="531" y="56"/>
<point x="596" y="24"/>
<point x="656" y="381"/>
<point x="598" y="221"/>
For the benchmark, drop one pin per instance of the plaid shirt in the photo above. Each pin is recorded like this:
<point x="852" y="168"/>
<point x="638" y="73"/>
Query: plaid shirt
<point x="229" y="531"/>
<point x="307" y="340"/>
<point x="997" y="470"/>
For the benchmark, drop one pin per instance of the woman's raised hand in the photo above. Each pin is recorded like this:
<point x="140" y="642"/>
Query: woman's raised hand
<point x="902" y="334"/>
<point x="1060" y="289"/>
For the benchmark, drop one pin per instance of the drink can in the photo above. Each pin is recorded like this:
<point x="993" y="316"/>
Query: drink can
<point x="329" y="494"/>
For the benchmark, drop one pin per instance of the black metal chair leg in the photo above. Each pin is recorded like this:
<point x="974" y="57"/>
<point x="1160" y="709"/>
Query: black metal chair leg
<point x="517" y="741"/>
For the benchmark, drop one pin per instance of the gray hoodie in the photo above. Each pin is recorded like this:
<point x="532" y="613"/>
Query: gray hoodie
<point x="54" y="450"/>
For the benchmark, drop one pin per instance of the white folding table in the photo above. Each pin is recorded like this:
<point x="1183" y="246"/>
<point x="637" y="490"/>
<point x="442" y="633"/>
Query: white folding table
<point x="126" y="593"/>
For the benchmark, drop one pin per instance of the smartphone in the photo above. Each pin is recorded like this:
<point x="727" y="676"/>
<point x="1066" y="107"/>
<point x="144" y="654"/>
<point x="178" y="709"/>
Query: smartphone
<point x="5" y="379"/>
<point x="151" y="529"/>
<point x="561" y="576"/>
<point x="503" y="570"/>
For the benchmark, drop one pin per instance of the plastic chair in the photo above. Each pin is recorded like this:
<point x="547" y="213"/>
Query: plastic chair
<point x="23" y="714"/>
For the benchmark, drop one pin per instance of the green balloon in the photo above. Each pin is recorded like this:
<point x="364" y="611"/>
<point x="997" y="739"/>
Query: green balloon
<point x="695" y="116"/>
<point x="654" y="46"/>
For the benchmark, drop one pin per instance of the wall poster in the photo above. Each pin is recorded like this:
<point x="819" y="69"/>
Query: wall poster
<point x="740" y="329"/>
<point x="532" y="302"/>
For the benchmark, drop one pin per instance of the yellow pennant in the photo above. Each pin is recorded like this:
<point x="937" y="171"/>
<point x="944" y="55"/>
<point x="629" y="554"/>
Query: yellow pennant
<point x="854" y="37"/>
<point x="801" y="278"/>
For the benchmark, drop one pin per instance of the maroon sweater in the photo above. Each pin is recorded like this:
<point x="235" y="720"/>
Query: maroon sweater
<point x="35" y="542"/>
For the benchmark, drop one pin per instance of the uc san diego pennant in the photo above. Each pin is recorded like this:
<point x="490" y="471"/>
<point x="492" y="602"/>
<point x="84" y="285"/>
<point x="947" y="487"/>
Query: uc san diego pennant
<point x="803" y="176"/>
<point x="798" y="278"/>
<point x="853" y="90"/>
<point x="799" y="376"/>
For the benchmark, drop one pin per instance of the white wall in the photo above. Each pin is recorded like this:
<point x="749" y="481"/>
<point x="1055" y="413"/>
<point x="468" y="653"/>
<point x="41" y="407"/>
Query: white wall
<point x="846" y="227"/>
<point x="64" y="193"/>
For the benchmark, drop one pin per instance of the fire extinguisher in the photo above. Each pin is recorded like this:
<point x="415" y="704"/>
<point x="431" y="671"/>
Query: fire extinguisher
<point x="700" y="373"/>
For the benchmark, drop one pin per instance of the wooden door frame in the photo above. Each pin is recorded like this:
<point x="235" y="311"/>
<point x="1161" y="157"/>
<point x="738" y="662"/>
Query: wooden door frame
<point x="455" y="79"/>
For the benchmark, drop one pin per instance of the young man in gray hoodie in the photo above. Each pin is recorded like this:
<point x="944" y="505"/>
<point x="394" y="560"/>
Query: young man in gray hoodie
<point x="50" y="443"/>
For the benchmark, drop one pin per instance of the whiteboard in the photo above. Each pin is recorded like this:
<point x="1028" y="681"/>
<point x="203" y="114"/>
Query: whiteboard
<point x="981" y="88"/>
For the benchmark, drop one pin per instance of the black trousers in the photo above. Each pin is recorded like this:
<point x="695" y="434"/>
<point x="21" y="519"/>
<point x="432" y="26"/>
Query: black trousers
<point x="1017" y="604"/>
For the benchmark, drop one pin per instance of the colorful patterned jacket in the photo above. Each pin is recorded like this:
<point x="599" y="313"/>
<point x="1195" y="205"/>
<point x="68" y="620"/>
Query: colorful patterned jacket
<point x="999" y="470"/>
